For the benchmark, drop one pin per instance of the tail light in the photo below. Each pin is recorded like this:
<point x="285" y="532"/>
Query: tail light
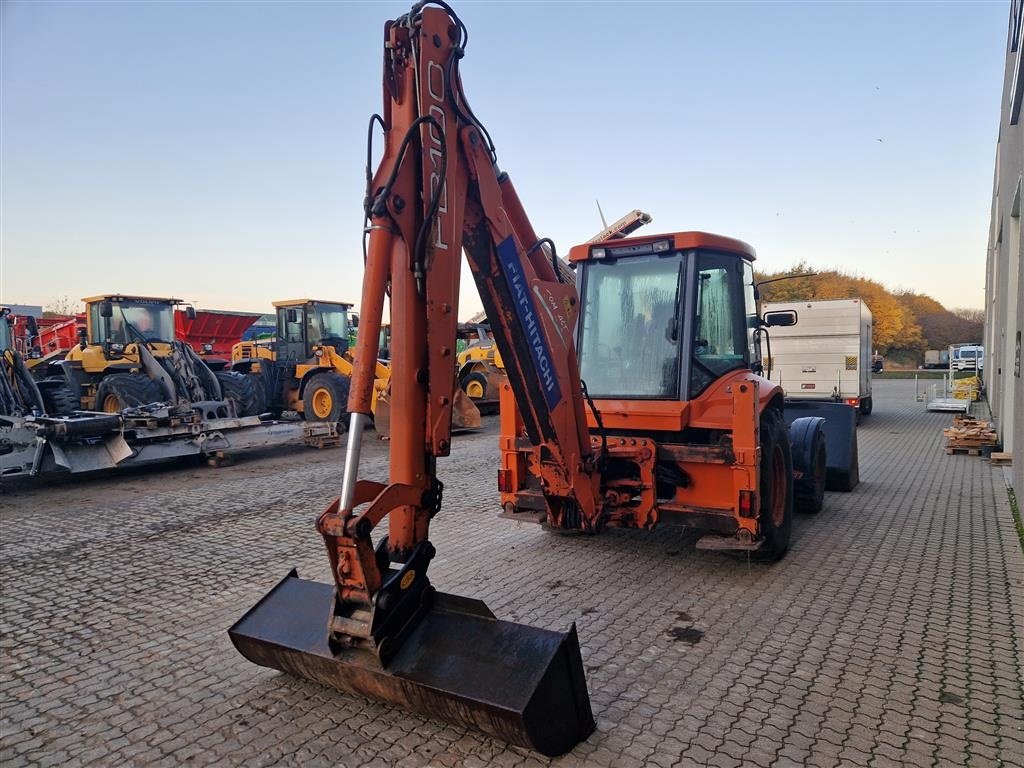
<point x="505" y="480"/>
<point x="853" y="401"/>
<point x="748" y="505"/>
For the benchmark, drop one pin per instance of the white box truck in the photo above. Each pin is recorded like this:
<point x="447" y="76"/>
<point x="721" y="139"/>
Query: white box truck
<point x="826" y="355"/>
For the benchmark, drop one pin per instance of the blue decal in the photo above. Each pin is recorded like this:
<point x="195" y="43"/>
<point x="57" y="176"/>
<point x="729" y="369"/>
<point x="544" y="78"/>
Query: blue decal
<point x="509" y="258"/>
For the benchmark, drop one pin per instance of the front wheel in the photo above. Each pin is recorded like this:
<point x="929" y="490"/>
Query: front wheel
<point x="127" y="390"/>
<point x="58" y="398"/>
<point x="776" y="514"/>
<point x="809" y="492"/>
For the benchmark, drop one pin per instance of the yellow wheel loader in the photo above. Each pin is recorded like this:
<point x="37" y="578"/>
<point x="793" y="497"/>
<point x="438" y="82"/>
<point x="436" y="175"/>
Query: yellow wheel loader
<point x="128" y="356"/>
<point x="307" y="368"/>
<point x="480" y="372"/>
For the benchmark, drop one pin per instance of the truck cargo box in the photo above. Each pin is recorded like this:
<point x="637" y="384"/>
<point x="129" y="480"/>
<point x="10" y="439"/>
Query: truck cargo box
<point x="826" y="355"/>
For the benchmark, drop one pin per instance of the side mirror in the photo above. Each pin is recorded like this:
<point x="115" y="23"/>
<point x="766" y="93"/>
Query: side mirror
<point x="190" y="312"/>
<point x="353" y="321"/>
<point x="291" y="315"/>
<point x="106" y="308"/>
<point x="780" y="319"/>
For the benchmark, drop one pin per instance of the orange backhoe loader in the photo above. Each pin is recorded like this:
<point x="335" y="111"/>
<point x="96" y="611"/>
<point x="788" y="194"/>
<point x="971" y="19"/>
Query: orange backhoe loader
<point x="677" y="424"/>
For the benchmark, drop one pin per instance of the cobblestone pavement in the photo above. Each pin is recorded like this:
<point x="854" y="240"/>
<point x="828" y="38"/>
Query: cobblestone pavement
<point x="890" y="634"/>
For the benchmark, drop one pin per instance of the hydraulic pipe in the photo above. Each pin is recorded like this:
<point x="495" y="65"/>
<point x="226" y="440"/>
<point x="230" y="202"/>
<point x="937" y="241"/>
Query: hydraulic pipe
<point x="360" y="396"/>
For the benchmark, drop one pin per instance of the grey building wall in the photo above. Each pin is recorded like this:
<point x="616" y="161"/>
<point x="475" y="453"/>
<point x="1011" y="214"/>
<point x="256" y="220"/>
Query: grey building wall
<point x="1004" y="278"/>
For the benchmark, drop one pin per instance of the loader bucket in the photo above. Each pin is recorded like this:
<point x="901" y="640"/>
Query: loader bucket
<point x="465" y="414"/>
<point x="521" y="684"/>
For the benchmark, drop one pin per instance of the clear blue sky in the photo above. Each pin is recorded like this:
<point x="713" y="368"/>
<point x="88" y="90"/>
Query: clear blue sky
<point x="215" y="151"/>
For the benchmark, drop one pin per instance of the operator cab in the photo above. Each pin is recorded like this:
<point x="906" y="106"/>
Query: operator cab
<point x="664" y="316"/>
<point x="6" y="334"/>
<point x="304" y="324"/>
<point x="122" y="320"/>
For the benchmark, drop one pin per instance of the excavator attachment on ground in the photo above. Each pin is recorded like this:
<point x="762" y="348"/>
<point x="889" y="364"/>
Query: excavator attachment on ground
<point x="381" y="630"/>
<point x="517" y="683"/>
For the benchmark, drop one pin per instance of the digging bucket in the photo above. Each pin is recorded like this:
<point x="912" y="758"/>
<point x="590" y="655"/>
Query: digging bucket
<point x="521" y="684"/>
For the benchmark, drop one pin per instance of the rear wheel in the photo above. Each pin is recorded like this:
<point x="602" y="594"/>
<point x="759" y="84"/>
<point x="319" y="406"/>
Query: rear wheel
<point x="776" y="514"/>
<point x="866" y="406"/>
<point x="127" y="390"/>
<point x="241" y="390"/>
<point x="325" y="397"/>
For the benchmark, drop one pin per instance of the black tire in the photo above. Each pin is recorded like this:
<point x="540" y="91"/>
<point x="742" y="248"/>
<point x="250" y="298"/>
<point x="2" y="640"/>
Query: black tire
<point x="259" y="383"/>
<point x="58" y="399"/>
<point x="866" y="406"/>
<point x="776" y="514"/>
<point x="241" y="390"/>
<point x="325" y="397"/>
<point x="127" y="390"/>
<point x="474" y="378"/>
<point x="809" y="491"/>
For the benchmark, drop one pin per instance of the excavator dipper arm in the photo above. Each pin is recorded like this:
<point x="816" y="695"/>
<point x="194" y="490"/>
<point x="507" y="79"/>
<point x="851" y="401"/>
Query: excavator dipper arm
<point x="382" y="630"/>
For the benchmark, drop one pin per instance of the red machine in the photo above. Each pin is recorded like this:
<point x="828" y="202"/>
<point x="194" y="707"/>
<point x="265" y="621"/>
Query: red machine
<point x="212" y="332"/>
<point x="691" y="429"/>
<point x="46" y="336"/>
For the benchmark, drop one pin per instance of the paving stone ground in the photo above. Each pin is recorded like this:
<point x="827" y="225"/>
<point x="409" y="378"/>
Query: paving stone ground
<point x="890" y="635"/>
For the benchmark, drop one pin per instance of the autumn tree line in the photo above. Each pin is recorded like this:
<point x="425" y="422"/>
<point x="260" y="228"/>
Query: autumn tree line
<point x="905" y="323"/>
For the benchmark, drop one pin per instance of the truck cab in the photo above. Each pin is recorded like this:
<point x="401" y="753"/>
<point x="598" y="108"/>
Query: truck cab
<point x="967" y="357"/>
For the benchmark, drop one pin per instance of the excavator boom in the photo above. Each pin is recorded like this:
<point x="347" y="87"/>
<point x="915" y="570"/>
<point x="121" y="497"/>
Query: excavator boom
<point x="381" y="629"/>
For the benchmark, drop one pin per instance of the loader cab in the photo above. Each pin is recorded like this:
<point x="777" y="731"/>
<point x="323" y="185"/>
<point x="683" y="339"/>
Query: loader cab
<point x="304" y="324"/>
<point x="115" y="321"/>
<point x="662" y="317"/>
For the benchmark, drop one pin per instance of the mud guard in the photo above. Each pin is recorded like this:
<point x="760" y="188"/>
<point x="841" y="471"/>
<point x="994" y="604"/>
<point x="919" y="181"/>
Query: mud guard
<point x="518" y="683"/>
<point x="802" y="432"/>
<point x="840" y="430"/>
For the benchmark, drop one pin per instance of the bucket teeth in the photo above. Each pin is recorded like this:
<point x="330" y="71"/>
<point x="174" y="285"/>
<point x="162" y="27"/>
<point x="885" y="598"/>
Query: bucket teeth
<point x="522" y="684"/>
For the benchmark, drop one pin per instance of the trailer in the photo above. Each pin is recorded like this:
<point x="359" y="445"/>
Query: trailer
<point x="936" y="358"/>
<point x="826" y="356"/>
<point x="45" y="446"/>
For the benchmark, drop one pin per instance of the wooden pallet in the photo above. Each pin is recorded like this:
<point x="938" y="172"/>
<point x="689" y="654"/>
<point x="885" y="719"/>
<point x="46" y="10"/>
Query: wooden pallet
<point x="969" y="435"/>
<point x="323" y="441"/>
<point x="1001" y="459"/>
<point x="968" y="450"/>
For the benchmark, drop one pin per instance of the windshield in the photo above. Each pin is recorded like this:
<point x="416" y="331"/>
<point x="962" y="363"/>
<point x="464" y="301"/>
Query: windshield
<point x="327" y="324"/>
<point x="968" y="354"/>
<point x="132" y="319"/>
<point x="334" y="322"/>
<point x="629" y="327"/>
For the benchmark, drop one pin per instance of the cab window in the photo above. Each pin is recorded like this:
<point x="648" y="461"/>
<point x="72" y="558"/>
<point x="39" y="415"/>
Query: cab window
<point x="722" y="339"/>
